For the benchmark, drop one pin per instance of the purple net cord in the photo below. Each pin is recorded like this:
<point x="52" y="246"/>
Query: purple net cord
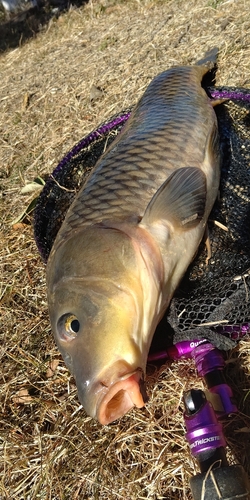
<point x="93" y="136"/>
<point x="234" y="332"/>
<point x="229" y="93"/>
<point x="214" y="93"/>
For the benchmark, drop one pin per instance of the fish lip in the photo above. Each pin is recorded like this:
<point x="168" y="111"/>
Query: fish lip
<point x="120" y="397"/>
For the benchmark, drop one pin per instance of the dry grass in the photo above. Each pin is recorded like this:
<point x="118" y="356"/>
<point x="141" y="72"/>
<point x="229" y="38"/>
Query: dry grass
<point x="49" y="448"/>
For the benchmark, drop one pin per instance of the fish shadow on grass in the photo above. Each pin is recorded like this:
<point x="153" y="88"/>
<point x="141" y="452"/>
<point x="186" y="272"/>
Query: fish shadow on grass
<point x="17" y="28"/>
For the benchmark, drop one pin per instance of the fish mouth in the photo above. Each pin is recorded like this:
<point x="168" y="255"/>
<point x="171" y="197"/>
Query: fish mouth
<point x="121" y="397"/>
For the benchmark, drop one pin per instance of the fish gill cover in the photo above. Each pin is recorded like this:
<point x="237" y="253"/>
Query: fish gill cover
<point x="212" y="300"/>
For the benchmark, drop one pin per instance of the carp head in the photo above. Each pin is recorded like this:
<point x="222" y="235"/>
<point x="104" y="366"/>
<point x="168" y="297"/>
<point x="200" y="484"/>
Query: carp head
<point x="101" y="324"/>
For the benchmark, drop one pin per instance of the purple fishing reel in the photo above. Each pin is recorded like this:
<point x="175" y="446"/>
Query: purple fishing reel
<point x="217" y="480"/>
<point x="204" y="431"/>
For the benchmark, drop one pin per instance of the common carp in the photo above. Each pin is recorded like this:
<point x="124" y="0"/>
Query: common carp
<point x="128" y="238"/>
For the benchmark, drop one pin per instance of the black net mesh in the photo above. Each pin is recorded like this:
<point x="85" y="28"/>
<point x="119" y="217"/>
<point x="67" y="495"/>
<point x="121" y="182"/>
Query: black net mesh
<point x="218" y="292"/>
<point x="66" y="180"/>
<point x="213" y="300"/>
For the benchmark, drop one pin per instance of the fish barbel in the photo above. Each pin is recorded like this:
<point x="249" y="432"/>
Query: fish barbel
<point x="128" y="238"/>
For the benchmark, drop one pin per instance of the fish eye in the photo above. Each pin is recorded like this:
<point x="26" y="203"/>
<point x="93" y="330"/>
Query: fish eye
<point x="68" y="325"/>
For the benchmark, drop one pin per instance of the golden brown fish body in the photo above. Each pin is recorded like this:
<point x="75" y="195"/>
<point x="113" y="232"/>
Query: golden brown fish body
<point x="129" y="237"/>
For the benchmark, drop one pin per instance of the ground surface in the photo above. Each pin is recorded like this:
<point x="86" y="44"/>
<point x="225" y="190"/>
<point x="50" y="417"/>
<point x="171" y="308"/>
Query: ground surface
<point x="49" y="448"/>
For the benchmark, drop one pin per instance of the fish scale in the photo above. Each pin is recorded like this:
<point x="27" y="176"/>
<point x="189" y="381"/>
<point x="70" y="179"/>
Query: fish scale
<point x="140" y="159"/>
<point x="128" y="238"/>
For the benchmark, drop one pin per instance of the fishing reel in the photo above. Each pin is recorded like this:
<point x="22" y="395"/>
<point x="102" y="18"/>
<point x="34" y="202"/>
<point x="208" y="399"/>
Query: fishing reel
<point x="217" y="479"/>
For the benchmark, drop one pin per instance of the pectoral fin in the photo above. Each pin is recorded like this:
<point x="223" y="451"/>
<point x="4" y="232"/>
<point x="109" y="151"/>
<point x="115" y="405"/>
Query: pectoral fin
<point x="180" y="200"/>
